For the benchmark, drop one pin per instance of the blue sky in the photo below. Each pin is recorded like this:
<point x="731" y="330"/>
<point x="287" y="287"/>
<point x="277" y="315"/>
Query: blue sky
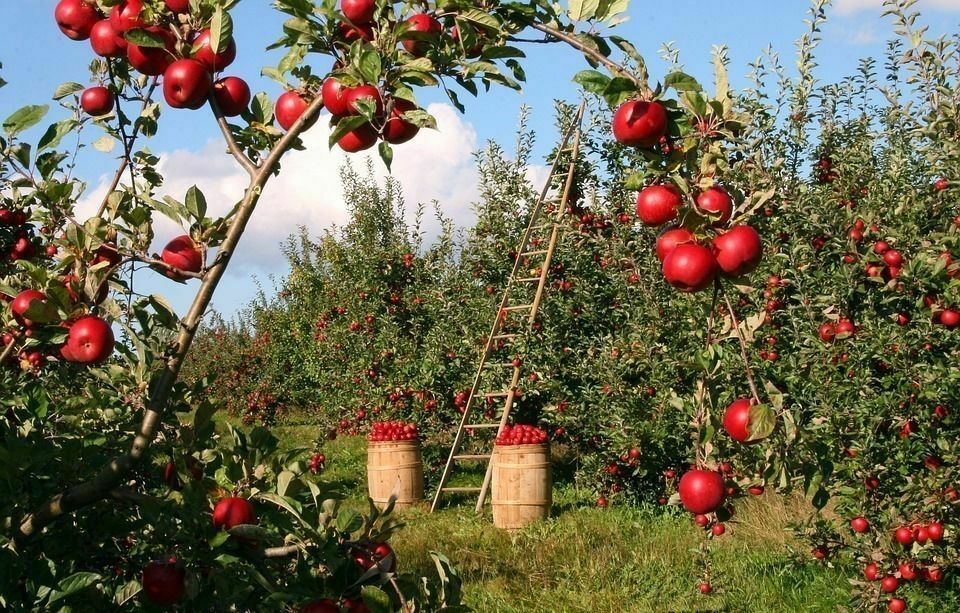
<point x="36" y="58"/>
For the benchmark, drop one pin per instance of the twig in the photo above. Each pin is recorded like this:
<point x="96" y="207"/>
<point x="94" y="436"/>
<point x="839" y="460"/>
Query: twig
<point x="241" y="158"/>
<point x="7" y="352"/>
<point x="743" y="349"/>
<point x="593" y="54"/>
<point x="127" y="144"/>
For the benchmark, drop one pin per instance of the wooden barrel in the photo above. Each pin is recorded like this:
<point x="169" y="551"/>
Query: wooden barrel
<point x="395" y="467"/>
<point x="522" y="485"/>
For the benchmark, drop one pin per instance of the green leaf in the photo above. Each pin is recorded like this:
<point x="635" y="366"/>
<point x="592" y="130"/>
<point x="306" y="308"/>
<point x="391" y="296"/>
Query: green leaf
<point x="376" y="600"/>
<point x="65" y="89"/>
<point x="221" y="30"/>
<point x="142" y="38"/>
<point x="73" y="584"/>
<point x="582" y="10"/>
<point x="24" y="119"/>
<point x="386" y="154"/>
<point x="196" y="203"/>
<point x="762" y="422"/>
<point x="55" y="133"/>
<point x="369" y="64"/>
<point x="681" y="82"/>
<point x="105" y="144"/>
<point x="349" y="521"/>
<point x="592" y="81"/>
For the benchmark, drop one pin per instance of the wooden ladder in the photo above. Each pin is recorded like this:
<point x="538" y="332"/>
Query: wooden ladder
<point x="563" y="167"/>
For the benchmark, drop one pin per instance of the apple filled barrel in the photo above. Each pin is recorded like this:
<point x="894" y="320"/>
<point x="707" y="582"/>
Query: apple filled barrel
<point x="394" y="464"/>
<point x="522" y="483"/>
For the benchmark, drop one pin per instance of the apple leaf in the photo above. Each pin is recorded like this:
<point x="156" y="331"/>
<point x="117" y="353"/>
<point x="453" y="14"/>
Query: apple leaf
<point x="592" y="81"/>
<point x="369" y="64"/>
<point x="73" y="584"/>
<point x="386" y="154"/>
<point x="376" y="599"/>
<point x="345" y="125"/>
<point x="129" y="591"/>
<point x="65" y="89"/>
<point x="55" y="133"/>
<point x="142" y="38"/>
<point x="582" y="10"/>
<point x="349" y="521"/>
<point x="221" y="30"/>
<point x="105" y="144"/>
<point x="681" y="82"/>
<point x="24" y="118"/>
<point x="762" y="422"/>
<point x="196" y="203"/>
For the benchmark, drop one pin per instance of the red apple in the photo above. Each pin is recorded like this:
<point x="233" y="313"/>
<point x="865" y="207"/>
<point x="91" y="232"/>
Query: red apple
<point x="335" y="97"/>
<point x="705" y="588"/>
<point x="672" y="237"/>
<point x="881" y="247"/>
<point x="21" y="304"/>
<point x="845" y="329"/>
<point x="321" y="606"/>
<point x="941" y="184"/>
<point x="359" y="139"/>
<point x="152" y="61"/>
<point x="690" y="267"/>
<point x="105" y="41"/>
<point x="658" y="204"/>
<point x="178" y="6"/>
<point x="126" y="16"/>
<point x="950" y="318"/>
<point x="738" y="251"/>
<point x="889" y="584"/>
<point x="859" y="525"/>
<point x="96" y="101"/>
<point x="398" y="130"/>
<point x="232" y="94"/>
<point x="701" y="491"/>
<point x="89" y="341"/>
<point x="76" y="18"/>
<point x="358" y="11"/>
<point x="360" y="31"/>
<point x="897" y="605"/>
<point x="427" y="28"/>
<point x="214" y="62"/>
<point x="908" y="572"/>
<point x="163" y="582"/>
<point x="871" y="571"/>
<point x="233" y="511"/>
<point x="717" y="202"/>
<point x="893" y="258"/>
<point x="289" y="108"/>
<point x="639" y="123"/>
<point x="186" y="84"/>
<point x="183" y="254"/>
<point x="935" y="531"/>
<point x="736" y="420"/>
<point x="359" y="92"/>
<point x="904" y="536"/>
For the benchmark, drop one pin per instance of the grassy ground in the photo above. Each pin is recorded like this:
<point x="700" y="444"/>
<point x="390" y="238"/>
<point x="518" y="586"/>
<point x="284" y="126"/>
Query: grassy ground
<point x="613" y="560"/>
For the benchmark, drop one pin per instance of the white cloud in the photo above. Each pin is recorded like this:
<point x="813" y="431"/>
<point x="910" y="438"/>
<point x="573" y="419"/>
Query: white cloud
<point x="864" y="35"/>
<point x="848" y="7"/>
<point x="437" y="165"/>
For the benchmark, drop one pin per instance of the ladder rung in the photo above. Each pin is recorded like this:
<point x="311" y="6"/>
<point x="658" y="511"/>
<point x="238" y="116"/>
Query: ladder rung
<point x="483" y="426"/>
<point x="496" y="395"/>
<point x="501" y="337"/>
<point x="537" y="252"/>
<point x="472" y="457"/>
<point x="460" y="489"/>
<point x="518" y="307"/>
<point x="498" y="365"/>
<point x="528" y="280"/>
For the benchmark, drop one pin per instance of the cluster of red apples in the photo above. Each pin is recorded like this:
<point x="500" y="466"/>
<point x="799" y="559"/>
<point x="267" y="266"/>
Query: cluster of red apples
<point x="392" y="431"/>
<point x="185" y="59"/>
<point x="188" y="61"/>
<point x="690" y="264"/>
<point x="522" y="434"/>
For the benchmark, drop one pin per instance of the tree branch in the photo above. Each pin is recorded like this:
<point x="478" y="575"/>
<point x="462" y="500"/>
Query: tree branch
<point x="232" y="146"/>
<point x="743" y="349"/>
<point x="593" y="54"/>
<point x="112" y="474"/>
<point x="127" y="144"/>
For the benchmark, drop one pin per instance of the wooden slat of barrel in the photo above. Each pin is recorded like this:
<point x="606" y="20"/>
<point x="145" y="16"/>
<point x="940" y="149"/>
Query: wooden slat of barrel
<point x="395" y="467"/>
<point x="522" y="485"/>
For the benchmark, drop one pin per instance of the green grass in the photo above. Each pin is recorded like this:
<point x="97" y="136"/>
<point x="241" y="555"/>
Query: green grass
<point x="588" y="559"/>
